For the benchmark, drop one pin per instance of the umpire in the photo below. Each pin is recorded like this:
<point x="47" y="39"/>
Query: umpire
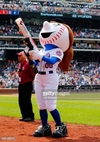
<point x="26" y="77"/>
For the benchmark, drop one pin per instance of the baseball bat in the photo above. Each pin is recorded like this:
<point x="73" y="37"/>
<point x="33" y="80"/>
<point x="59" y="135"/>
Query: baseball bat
<point x="31" y="43"/>
<point x="22" y="27"/>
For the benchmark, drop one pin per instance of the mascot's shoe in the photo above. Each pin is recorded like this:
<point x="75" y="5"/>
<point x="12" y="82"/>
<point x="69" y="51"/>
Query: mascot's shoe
<point x="60" y="131"/>
<point x="43" y="131"/>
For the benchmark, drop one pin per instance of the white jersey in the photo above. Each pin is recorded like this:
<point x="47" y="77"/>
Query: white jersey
<point x="44" y="66"/>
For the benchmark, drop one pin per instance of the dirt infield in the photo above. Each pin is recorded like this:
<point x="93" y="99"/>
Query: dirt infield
<point x="13" y="130"/>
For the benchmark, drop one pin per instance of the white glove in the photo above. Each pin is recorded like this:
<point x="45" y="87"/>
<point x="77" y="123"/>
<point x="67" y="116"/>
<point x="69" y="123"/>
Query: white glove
<point x="26" y="50"/>
<point x="35" y="55"/>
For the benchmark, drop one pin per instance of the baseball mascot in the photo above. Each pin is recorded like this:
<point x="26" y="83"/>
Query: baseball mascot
<point x="56" y="38"/>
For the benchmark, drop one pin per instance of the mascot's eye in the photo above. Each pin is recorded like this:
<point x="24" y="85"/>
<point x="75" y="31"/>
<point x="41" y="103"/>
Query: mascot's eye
<point x="57" y="24"/>
<point x="46" y="35"/>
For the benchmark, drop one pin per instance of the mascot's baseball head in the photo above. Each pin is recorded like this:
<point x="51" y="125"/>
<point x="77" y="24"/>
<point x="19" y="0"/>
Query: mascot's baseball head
<point x="58" y="33"/>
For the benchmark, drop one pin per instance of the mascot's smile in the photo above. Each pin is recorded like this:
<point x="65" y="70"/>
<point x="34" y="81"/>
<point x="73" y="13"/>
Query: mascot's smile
<point x="46" y="35"/>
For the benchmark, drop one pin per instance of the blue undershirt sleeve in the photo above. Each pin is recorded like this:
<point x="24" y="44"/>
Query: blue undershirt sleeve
<point x="35" y="62"/>
<point x="51" y="60"/>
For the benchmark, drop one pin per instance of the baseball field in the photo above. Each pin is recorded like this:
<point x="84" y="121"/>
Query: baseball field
<point x="80" y="112"/>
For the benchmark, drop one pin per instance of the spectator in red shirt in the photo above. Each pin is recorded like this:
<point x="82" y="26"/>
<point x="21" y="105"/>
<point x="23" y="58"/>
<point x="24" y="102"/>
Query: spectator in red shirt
<point x="26" y="77"/>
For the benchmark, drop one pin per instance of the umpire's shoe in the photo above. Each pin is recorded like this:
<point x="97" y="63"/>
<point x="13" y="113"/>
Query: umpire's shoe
<point x="43" y="131"/>
<point x="60" y="131"/>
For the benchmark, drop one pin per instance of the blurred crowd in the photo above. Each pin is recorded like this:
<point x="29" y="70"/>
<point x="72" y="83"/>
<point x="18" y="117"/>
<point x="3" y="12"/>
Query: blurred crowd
<point x="80" y="73"/>
<point x="1" y="53"/>
<point x="9" y="76"/>
<point x="89" y="7"/>
<point x="34" y="29"/>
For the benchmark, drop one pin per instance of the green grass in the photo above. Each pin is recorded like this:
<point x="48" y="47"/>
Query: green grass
<point x="79" y="108"/>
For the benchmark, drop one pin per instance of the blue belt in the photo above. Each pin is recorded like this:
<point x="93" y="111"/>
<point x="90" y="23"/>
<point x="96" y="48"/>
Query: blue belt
<point x="44" y="72"/>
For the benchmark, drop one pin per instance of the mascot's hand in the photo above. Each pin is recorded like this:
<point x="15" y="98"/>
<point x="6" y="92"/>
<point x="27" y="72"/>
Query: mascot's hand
<point x="35" y="55"/>
<point x="26" y="51"/>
